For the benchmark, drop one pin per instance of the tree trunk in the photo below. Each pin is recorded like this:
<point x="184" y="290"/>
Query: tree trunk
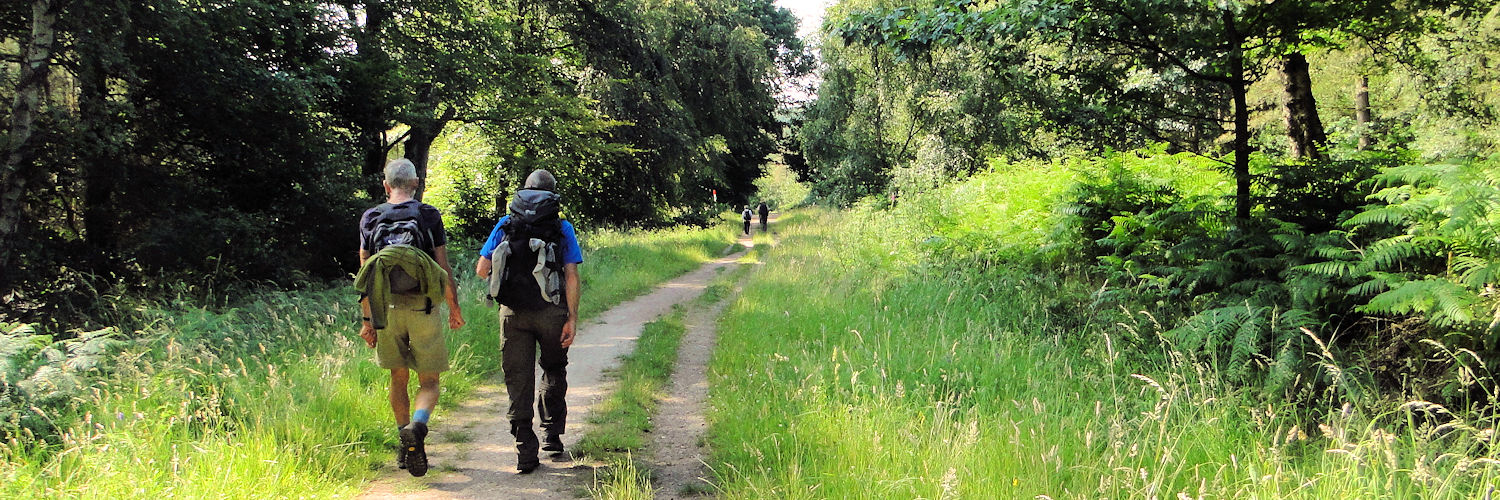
<point x="374" y="121"/>
<point x="1238" y="88"/>
<point x="1302" y="123"/>
<point x="31" y="84"/>
<point x="100" y="166"/>
<point x="418" y="146"/>
<point x="1362" y="111"/>
<point x="419" y="139"/>
<point x="373" y="143"/>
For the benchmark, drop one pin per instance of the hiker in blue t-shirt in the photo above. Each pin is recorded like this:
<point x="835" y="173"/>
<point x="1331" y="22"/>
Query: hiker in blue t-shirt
<point x="549" y="327"/>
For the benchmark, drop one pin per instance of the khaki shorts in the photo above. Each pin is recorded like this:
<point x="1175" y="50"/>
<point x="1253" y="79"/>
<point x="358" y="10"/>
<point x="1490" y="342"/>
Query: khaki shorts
<point x="412" y="339"/>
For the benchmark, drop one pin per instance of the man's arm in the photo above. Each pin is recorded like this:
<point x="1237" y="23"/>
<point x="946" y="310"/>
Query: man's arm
<point x="570" y="279"/>
<point x="483" y="267"/>
<point x="450" y="289"/>
<point x="366" y="330"/>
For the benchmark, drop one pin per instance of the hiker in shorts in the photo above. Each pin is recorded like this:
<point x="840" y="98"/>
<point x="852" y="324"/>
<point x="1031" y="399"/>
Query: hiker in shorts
<point x="746" y="216"/>
<point x="403" y="280"/>
<point x="765" y="213"/>
<point x="531" y="259"/>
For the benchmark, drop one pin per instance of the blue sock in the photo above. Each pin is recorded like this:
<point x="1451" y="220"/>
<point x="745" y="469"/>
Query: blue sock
<point x="421" y="415"/>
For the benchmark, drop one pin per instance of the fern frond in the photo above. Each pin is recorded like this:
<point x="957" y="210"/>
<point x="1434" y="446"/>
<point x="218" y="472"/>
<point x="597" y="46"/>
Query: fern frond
<point x="1443" y="302"/>
<point x="1475" y="272"/>
<point x="1208" y="329"/>
<point x="1379" y="282"/>
<point x="1288" y="242"/>
<point x="1416" y="174"/>
<point x="1290" y="323"/>
<point x="1394" y="215"/>
<point x="1393" y="195"/>
<point x="1452" y="305"/>
<point x="1308" y="291"/>
<point x="1388" y="253"/>
<point x="1332" y="252"/>
<point x="1214" y="272"/>
<point x="1289" y="363"/>
<point x="1247" y="340"/>
<point x="1330" y="268"/>
<point x="1400" y="299"/>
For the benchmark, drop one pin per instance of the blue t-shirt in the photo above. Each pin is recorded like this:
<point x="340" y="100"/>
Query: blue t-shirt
<point x="571" y="254"/>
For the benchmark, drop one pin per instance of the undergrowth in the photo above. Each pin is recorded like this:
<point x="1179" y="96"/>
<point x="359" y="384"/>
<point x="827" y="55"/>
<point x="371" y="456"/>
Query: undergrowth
<point x="917" y="370"/>
<point x="273" y="397"/>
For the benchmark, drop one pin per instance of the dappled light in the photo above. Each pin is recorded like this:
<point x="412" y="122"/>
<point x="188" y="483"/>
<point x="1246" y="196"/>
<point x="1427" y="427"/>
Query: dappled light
<point x="777" y="249"/>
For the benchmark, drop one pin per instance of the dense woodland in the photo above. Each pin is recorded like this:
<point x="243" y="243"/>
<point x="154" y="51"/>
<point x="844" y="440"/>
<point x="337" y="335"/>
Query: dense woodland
<point x="1358" y="140"/>
<point x="226" y="141"/>
<point x="1282" y="217"/>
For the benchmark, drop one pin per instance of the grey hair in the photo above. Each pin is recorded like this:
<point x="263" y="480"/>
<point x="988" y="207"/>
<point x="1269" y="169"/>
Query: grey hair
<point x="540" y="179"/>
<point x="401" y="173"/>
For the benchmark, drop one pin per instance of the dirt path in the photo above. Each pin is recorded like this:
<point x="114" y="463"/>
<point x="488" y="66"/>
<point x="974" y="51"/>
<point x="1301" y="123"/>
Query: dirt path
<point x="677" y="451"/>
<point x="470" y="449"/>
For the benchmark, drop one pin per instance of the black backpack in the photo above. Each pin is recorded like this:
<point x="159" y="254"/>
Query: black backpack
<point x="397" y="225"/>
<point x="527" y="261"/>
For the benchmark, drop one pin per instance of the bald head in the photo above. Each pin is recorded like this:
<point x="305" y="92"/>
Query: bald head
<point x="540" y="179"/>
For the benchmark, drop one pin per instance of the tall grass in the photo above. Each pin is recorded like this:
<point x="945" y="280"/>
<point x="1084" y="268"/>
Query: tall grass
<point x="278" y="397"/>
<point x="619" y="425"/>
<point x="855" y="366"/>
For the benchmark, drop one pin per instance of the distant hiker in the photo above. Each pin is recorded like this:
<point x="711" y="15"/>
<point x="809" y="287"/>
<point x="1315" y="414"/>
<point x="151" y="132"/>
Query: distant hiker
<point x="746" y="215"/>
<point x="403" y="275"/>
<point x="531" y="259"/>
<point x="765" y="212"/>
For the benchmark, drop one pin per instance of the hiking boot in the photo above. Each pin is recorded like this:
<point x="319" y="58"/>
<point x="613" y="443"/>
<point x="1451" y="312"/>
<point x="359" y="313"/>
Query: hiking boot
<point x="400" y="452"/>
<point x="413" y="438"/>
<point x="526" y="445"/>
<point x="553" y="443"/>
<point x="527" y="467"/>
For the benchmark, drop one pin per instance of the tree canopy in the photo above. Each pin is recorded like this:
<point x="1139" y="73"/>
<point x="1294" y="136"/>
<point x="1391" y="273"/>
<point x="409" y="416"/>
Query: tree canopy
<point x="1095" y="74"/>
<point x="240" y="139"/>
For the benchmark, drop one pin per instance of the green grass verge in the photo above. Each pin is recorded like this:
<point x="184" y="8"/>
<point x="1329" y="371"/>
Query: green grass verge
<point x="623" y="479"/>
<point x="278" y="397"/>
<point x="620" y="424"/>
<point x="838" y="378"/>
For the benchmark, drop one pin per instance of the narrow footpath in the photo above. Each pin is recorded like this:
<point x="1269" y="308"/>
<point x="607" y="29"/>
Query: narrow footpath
<point x="677" y="451"/>
<point x="470" y="450"/>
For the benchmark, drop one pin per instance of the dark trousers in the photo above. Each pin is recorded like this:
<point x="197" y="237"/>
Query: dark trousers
<point x="522" y="334"/>
<point x="747" y="226"/>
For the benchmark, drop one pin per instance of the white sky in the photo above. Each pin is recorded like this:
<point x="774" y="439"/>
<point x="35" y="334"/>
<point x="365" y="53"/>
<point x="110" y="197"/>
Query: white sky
<point x="809" y="11"/>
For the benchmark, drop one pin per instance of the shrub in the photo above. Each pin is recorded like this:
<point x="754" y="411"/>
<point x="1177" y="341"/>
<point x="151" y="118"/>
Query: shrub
<point x="41" y="378"/>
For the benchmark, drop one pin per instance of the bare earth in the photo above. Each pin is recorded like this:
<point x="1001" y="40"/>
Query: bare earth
<point x="470" y="450"/>
<point x="677" y="454"/>
<point x="677" y="449"/>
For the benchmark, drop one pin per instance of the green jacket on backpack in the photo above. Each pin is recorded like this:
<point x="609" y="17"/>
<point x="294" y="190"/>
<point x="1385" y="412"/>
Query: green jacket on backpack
<point x="373" y="280"/>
